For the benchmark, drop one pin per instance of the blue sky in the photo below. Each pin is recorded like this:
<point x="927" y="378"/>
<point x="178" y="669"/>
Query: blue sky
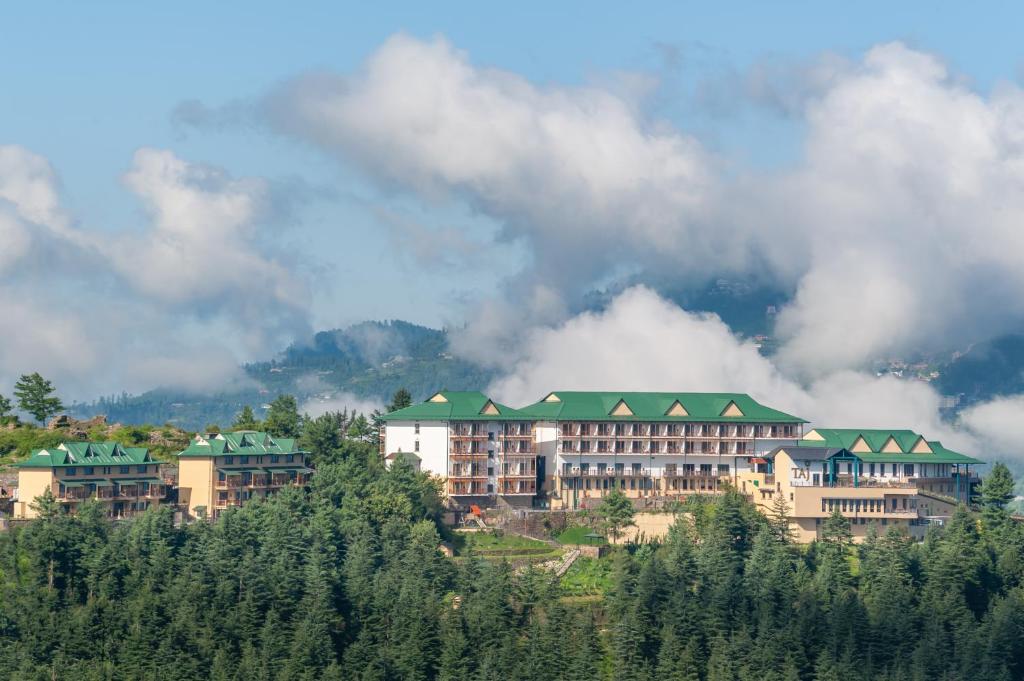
<point x="87" y="85"/>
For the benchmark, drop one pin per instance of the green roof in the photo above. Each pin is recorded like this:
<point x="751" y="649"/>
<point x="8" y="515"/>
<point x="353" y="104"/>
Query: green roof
<point x="240" y="443"/>
<point x="646" y="406"/>
<point x="876" y="439"/>
<point x="451" y="405"/>
<point x="68" y="454"/>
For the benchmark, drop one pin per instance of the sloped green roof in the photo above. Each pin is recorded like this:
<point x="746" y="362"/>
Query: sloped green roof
<point x="69" y="454"/>
<point x="648" y="406"/>
<point x="241" y="443"/>
<point x="457" y="406"/>
<point x="845" y="438"/>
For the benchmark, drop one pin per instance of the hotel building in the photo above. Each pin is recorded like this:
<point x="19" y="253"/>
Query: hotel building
<point x="876" y="478"/>
<point x="571" y="448"/>
<point x="221" y="470"/>
<point x="125" y="480"/>
<point x="652" y="446"/>
<point x="483" y="450"/>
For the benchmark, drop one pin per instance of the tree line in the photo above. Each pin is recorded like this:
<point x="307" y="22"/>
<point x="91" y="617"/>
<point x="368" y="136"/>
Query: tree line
<point x="345" y="581"/>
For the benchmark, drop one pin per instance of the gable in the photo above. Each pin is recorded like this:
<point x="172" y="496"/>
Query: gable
<point x="891" y="446"/>
<point x="552" y="398"/>
<point x="922" y="447"/>
<point x="438" y="397"/>
<point x="814" y="435"/>
<point x="677" y="409"/>
<point x="732" y="409"/>
<point x="860" y="445"/>
<point x="621" y="409"/>
<point x="489" y="408"/>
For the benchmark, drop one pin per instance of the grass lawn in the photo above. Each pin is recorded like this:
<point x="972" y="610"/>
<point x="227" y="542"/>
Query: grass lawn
<point x="576" y="534"/>
<point x="588" y="577"/>
<point x="493" y="545"/>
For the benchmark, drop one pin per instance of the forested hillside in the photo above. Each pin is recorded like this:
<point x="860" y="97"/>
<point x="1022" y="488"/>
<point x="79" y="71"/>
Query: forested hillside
<point x="369" y="361"/>
<point x="345" y="581"/>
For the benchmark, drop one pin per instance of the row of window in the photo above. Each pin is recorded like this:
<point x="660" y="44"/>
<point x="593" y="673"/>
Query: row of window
<point x="141" y="489"/>
<point x="244" y="459"/>
<point x="868" y="505"/>
<point x="636" y="469"/>
<point x="654" y="447"/>
<point x="677" y="430"/>
<point x="105" y="470"/>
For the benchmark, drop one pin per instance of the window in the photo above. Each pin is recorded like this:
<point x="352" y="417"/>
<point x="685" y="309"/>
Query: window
<point x="221" y="477"/>
<point x="229" y="459"/>
<point x="654" y="448"/>
<point x="416" y="446"/>
<point x="72" y="472"/>
<point x="638" y="446"/>
<point x="602" y="446"/>
<point x="585" y="446"/>
<point x="141" y="469"/>
<point x="416" y="429"/>
<point x="106" y="470"/>
<point x="490" y="436"/>
<point x="124" y="470"/>
<point x="274" y="458"/>
<point x="243" y="460"/>
<point x="620" y="446"/>
<point x="654" y="430"/>
<point x="723" y="469"/>
<point x="894" y="470"/>
<point x="88" y="470"/>
<point x="289" y="458"/>
<point x="871" y="469"/>
<point x="908" y="469"/>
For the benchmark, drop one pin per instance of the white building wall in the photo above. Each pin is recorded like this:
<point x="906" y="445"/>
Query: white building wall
<point x="401" y="436"/>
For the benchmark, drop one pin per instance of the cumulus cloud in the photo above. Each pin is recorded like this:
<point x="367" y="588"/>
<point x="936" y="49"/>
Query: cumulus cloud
<point x="896" y="230"/>
<point x="177" y="303"/>
<point x="577" y="173"/>
<point x="1001" y="422"/>
<point x="644" y="342"/>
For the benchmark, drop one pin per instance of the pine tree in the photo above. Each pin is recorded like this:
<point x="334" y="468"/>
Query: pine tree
<point x="779" y="518"/>
<point x="5" y="408"/>
<point x="283" y="418"/>
<point x="35" y="396"/>
<point x="246" y="420"/>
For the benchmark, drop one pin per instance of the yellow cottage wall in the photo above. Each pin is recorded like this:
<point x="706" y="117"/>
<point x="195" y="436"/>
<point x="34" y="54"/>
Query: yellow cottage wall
<point x="32" y="482"/>
<point x="195" y="483"/>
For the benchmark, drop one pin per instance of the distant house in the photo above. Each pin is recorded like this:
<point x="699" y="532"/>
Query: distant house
<point x="220" y="470"/>
<point x="125" y="480"/>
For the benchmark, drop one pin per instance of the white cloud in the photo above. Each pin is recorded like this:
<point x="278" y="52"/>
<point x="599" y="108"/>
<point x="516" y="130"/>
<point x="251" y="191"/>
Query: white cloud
<point x="1001" y="423"/>
<point x="576" y="173"/>
<point x="177" y="303"/>
<point x="317" y="406"/>
<point x="644" y="342"/>
<point x="898" y="228"/>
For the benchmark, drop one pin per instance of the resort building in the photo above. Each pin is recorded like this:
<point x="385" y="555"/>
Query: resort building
<point x="482" y="449"/>
<point x="652" y="446"/>
<point x="125" y="480"/>
<point x="876" y="478"/>
<point x="572" y="448"/>
<point x="220" y="470"/>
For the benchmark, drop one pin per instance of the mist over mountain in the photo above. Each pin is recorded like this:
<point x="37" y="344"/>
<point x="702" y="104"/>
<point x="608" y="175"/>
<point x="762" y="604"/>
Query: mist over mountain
<point x="356" y="368"/>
